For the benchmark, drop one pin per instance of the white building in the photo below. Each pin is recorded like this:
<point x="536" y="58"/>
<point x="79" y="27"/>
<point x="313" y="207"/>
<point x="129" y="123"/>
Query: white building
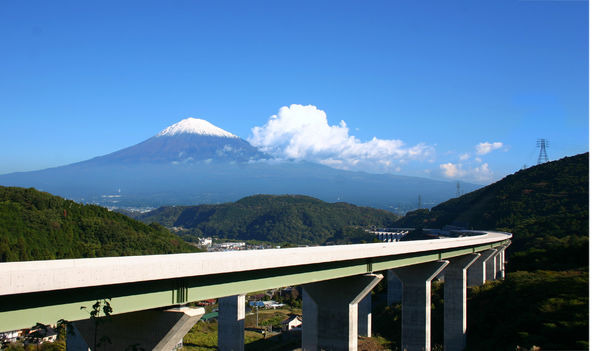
<point x="205" y="242"/>
<point x="292" y="323"/>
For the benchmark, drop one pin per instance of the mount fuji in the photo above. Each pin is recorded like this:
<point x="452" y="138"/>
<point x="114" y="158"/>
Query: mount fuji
<point x="189" y="141"/>
<point x="195" y="162"/>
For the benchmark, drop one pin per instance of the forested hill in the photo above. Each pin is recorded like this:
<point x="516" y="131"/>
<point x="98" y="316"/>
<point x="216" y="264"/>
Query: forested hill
<point x="279" y="219"/>
<point x="546" y="207"/>
<point x="37" y="226"/>
<point x="544" y="300"/>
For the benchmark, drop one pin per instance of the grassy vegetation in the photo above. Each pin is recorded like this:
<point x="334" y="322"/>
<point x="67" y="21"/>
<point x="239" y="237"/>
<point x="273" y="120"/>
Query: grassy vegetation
<point x="204" y="335"/>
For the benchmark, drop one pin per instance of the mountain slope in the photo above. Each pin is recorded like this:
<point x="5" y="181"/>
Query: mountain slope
<point x="188" y="141"/>
<point x="546" y="207"/>
<point x="293" y="219"/>
<point x="39" y="226"/>
<point x="184" y="148"/>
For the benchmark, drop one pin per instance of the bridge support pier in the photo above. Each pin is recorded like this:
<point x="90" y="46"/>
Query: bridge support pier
<point x="416" y="303"/>
<point x="476" y="274"/>
<point x="150" y="330"/>
<point x="232" y="314"/>
<point x="394" y="288"/>
<point x="501" y="262"/>
<point x="455" y="302"/>
<point x="364" y="316"/>
<point x="330" y="312"/>
<point x="491" y="267"/>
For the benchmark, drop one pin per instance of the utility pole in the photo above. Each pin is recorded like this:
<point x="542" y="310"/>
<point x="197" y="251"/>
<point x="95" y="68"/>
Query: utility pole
<point x="457" y="188"/>
<point x="419" y="203"/>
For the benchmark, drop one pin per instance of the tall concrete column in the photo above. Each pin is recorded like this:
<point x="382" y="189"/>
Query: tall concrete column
<point x="502" y="266"/>
<point x="76" y="341"/>
<point x="490" y="266"/>
<point x="476" y="274"/>
<point x="310" y="322"/>
<point x="455" y="302"/>
<point x="364" y="316"/>
<point x="330" y="312"/>
<point x="394" y="289"/>
<point x="499" y="263"/>
<point x="232" y="314"/>
<point x="416" y="303"/>
<point x="150" y="330"/>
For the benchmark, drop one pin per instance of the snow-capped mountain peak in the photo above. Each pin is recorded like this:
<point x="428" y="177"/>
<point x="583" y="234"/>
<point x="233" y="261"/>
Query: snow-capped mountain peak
<point x="195" y="126"/>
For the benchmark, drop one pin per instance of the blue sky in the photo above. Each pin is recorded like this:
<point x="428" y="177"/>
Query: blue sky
<point x="448" y="89"/>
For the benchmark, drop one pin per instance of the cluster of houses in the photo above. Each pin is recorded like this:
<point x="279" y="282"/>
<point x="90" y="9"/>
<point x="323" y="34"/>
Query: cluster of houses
<point x="35" y="336"/>
<point x="266" y="304"/>
<point x="228" y="246"/>
<point x="210" y="245"/>
<point x="292" y="323"/>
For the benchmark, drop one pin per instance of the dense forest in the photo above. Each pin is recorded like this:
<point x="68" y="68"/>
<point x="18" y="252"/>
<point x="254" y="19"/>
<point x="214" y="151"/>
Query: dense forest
<point x="544" y="300"/>
<point x="546" y="207"/>
<point x="39" y="226"/>
<point x="278" y="219"/>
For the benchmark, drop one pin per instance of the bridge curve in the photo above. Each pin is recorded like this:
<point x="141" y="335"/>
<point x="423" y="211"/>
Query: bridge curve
<point x="46" y="291"/>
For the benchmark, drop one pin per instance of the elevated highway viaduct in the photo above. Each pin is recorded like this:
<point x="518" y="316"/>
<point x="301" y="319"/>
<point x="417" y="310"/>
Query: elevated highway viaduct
<point x="145" y="292"/>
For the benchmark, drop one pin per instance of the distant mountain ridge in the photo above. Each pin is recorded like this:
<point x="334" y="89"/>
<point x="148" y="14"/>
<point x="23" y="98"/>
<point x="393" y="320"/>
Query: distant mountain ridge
<point x="194" y="162"/>
<point x="280" y="219"/>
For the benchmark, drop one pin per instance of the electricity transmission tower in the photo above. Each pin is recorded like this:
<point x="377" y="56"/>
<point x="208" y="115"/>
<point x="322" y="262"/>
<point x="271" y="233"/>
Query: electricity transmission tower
<point x="543" y="156"/>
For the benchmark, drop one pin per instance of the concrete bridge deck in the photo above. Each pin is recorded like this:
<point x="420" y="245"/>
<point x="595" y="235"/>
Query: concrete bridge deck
<point x="46" y="291"/>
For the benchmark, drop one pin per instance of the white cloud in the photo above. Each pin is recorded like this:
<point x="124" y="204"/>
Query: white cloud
<point x="302" y="132"/>
<point x="464" y="157"/>
<point x="452" y="170"/>
<point x="481" y="173"/>
<point x="486" y="148"/>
